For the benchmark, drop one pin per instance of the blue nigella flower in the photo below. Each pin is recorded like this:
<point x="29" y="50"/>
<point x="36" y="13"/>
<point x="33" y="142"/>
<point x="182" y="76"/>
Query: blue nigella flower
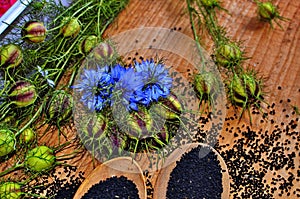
<point x="117" y="72"/>
<point x="156" y="80"/>
<point x="127" y="89"/>
<point x="96" y="87"/>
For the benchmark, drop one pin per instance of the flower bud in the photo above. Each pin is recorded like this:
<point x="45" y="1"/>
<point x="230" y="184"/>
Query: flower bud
<point x="27" y="136"/>
<point x="40" y="159"/>
<point x="10" y="56"/>
<point x="23" y="94"/>
<point x="87" y="44"/>
<point x="228" y="55"/>
<point x="10" y="190"/>
<point x="34" y="31"/>
<point x="60" y="107"/>
<point x="7" y="142"/>
<point x="71" y="27"/>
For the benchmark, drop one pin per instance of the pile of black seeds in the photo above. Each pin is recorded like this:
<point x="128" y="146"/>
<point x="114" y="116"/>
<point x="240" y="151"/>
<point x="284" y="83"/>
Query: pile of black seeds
<point x="263" y="159"/>
<point x="114" y="187"/>
<point x="196" y="177"/>
<point x="60" y="184"/>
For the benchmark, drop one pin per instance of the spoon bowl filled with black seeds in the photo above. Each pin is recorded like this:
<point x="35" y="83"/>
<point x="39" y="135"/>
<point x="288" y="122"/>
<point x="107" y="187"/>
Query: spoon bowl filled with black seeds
<point x="120" y="178"/>
<point x="195" y="171"/>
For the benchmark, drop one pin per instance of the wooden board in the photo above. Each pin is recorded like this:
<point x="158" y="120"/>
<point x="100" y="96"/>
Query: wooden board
<point x="275" y="53"/>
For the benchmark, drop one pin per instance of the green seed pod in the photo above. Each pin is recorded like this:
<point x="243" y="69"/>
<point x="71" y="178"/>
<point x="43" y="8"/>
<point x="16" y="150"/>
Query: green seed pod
<point x="60" y="105"/>
<point x="237" y="89"/>
<point x="140" y="124"/>
<point x="40" y="159"/>
<point x="87" y="44"/>
<point x="22" y="94"/>
<point x="206" y="84"/>
<point x="7" y="142"/>
<point x="34" y="31"/>
<point x="104" y="52"/>
<point x="210" y="4"/>
<point x="245" y="89"/>
<point x="27" y="136"/>
<point x="228" y="55"/>
<point x="169" y="108"/>
<point x="10" y="190"/>
<point x="70" y="27"/>
<point x="267" y="11"/>
<point x="10" y="56"/>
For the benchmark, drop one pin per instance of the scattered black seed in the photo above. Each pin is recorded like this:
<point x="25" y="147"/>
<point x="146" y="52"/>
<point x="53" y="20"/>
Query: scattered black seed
<point x="58" y="187"/>
<point x="279" y="87"/>
<point x="196" y="177"/>
<point x="114" y="187"/>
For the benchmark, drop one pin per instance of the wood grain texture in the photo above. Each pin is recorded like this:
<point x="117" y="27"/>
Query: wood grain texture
<point x="275" y="53"/>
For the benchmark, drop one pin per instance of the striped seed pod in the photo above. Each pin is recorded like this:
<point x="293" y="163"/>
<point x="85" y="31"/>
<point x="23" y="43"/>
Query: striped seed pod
<point x="87" y="44"/>
<point x="10" y="56"/>
<point x="206" y="86"/>
<point x="168" y="108"/>
<point x="40" y="159"/>
<point x="228" y="55"/>
<point x="70" y="27"/>
<point x="245" y="89"/>
<point x="104" y="53"/>
<point x="34" y="31"/>
<point x="10" y="190"/>
<point x="7" y="142"/>
<point x="22" y="94"/>
<point x="59" y="108"/>
<point x="140" y="124"/>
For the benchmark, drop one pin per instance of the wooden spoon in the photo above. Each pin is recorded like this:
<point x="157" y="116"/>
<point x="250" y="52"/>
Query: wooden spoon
<point x="161" y="184"/>
<point x="121" y="166"/>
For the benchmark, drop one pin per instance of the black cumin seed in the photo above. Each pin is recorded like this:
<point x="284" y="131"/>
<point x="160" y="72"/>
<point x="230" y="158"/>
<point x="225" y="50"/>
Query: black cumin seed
<point x="196" y="177"/>
<point x="114" y="187"/>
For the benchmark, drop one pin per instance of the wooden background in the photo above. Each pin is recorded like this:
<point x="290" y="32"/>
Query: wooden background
<point x="273" y="52"/>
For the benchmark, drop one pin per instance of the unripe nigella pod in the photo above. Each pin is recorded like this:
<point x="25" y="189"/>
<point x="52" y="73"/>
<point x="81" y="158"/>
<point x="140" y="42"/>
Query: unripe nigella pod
<point x="140" y="124"/>
<point x="60" y="107"/>
<point x="34" y="32"/>
<point x="104" y="52"/>
<point x="10" y="190"/>
<point x="228" y="55"/>
<point x="267" y="11"/>
<point x="27" y="136"/>
<point x="7" y="142"/>
<point x="210" y="3"/>
<point x="87" y="44"/>
<point x="253" y="86"/>
<point x="10" y="56"/>
<point x="70" y="27"/>
<point x="23" y="94"/>
<point x="238" y="90"/>
<point x="40" y="159"/>
<point x="205" y="83"/>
